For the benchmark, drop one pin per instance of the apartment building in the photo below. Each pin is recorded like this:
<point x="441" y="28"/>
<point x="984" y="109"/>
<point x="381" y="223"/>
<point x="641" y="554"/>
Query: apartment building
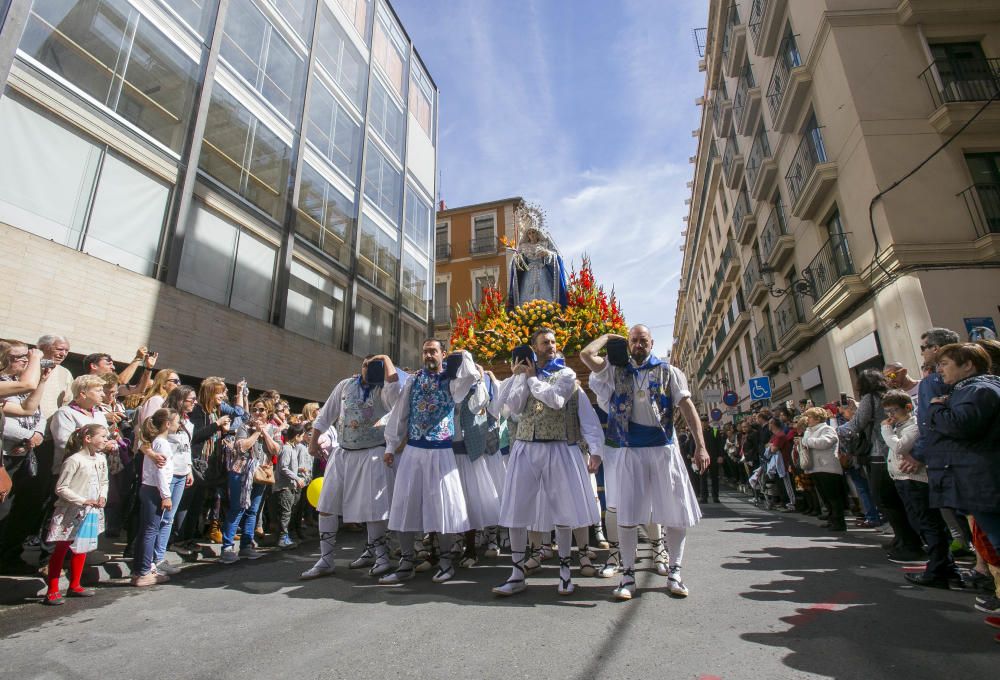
<point x="246" y="186"/>
<point x="470" y="256"/>
<point x="810" y="109"/>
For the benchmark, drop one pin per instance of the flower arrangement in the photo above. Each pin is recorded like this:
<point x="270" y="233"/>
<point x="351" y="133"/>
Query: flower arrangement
<point x="489" y="331"/>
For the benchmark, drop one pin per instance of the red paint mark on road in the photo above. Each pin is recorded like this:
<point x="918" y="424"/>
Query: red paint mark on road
<point x="810" y="614"/>
<point x="709" y="677"/>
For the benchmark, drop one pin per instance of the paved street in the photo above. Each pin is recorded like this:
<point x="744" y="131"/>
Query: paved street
<point x="772" y="597"/>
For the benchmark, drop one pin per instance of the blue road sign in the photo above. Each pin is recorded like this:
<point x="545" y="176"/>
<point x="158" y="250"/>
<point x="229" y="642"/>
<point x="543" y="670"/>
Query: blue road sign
<point x="716" y="414"/>
<point x="730" y="398"/>
<point x="760" y="388"/>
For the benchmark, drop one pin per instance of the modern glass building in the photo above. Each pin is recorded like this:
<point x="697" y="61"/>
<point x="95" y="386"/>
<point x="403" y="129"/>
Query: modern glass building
<point x="274" y="157"/>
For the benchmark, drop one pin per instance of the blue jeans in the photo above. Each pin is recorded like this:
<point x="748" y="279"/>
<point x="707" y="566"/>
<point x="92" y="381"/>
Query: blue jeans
<point x="236" y="517"/>
<point x="167" y="518"/>
<point x="150" y="514"/>
<point x="989" y="522"/>
<point x="864" y="494"/>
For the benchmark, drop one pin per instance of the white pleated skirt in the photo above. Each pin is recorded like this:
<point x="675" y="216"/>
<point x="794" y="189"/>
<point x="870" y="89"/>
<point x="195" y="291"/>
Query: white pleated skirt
<point x="547" y="484"/>
<point x="482" y="501"/>
<point x="609" y="458"/>
<point x="654" y="486"/>
<point x="357" y="485"/>
<point x="497" y="465"/>
<point x="428" y="493"/>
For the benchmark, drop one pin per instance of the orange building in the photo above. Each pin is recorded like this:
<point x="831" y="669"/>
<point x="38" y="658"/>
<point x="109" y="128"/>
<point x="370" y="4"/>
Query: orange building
<point x="470" y="257"/>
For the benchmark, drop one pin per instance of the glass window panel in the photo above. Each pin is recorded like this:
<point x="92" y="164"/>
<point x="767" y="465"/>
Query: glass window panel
<point x="333" y="132"/>
<point x="411" y="342"/>
<point x="386" y="118"/>
<point x="147" y="79"/>
<point x="357" y="10"/>
<point x="373" y="329"/>
<point x="421" y="99"/>
<point x="208" y="256"/>
<point x="315" y="305"/>
<point x="46" y="175"/>
<point x="484" y="229"/>
<point x="414" y="285"/>
<point x="198" y="14"/>
<point x="417" y="220"/>
<point x="383" y="183"/>
<point x="441" y="306"/>
<point x="127" y="219"/>
<point x="298" y="14"/>
<point x="389" y="50"/>
<point x="340" y="58"/>
<point x="253" y="276"/>
<point x="259" y="174"/>
<point x="378" y="260"/>
<point x="258" y="52"/>
<point x="325" y="216"/>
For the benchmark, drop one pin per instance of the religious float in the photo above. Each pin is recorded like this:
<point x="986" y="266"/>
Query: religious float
<point x="540" y="294"/>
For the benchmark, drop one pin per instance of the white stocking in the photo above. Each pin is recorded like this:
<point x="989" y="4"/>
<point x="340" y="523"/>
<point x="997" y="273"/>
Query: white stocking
<point x="675" y="544"/>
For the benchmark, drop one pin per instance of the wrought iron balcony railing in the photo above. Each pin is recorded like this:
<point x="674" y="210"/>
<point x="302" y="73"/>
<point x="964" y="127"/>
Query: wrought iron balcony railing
<point x="974" y="80"/>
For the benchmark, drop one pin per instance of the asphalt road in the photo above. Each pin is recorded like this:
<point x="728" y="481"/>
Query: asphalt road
<point x="772" y="596"/>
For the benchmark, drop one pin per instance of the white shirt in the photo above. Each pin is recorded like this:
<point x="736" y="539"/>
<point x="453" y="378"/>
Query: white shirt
<point x="603" y="384"/>
<point x="180" y="441"/>
<point x="160" y="477"/>
<point x="514" y="392"/>
<point x="64" y="422"/>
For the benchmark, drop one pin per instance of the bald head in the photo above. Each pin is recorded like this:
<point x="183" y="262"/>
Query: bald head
<point x="640" y="343"/>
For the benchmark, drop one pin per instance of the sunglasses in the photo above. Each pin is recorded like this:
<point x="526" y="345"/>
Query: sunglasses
<point x="924" y="348"/>
<point x="174" y="381"/>
<point x="259" y="410"/>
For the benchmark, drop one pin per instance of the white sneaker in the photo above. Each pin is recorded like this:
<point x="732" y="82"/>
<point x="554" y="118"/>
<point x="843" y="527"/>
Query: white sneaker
<point x="318" y="570"/>
<point x="229" y="556"/>
<point x="250" y="554"/>
<point x="626" y="587"/>
<point x="165" y="567"/>
<point x="674" y="584"/>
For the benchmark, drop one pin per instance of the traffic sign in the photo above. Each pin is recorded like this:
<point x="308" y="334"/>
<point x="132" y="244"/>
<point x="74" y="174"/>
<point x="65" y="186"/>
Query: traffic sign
<point x="730" y="398"/>
<point x="716" y="414"/>
<point x="760" y="388"/>
<point x="712" y="395"/>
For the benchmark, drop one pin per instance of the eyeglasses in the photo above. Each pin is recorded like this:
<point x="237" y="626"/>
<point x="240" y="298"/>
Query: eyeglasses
<point x="174" y="381"/>
<point x="924" y="348"/>
<point x="259" y="410"/>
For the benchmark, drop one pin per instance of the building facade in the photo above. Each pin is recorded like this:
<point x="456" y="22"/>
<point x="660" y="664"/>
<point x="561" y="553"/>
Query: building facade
<point x="470" y="256"/>
<point x="810" y="109"/>
<point x="244" y="185"/>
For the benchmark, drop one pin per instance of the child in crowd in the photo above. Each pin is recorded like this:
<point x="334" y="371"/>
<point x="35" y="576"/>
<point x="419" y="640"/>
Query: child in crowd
<point x="154" y="495"/>
<point x="292" y="476"/>
<point x="82" y="491"/>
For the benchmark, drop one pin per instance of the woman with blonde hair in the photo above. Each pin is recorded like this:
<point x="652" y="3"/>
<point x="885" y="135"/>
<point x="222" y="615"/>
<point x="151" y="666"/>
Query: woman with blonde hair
<point x="153" y="398"/>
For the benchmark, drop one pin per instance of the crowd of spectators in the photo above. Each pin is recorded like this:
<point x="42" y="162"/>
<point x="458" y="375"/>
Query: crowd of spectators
<point x="157" y="463"/>
<point x="915" y="459"/>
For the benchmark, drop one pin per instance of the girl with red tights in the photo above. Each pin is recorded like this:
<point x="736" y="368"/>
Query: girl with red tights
<point x="82" y="488"/>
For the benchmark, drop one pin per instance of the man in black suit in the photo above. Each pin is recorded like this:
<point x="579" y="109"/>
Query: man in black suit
<point x="715" y="444"/>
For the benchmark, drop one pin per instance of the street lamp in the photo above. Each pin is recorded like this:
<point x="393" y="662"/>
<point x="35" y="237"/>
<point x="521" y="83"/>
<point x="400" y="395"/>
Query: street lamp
<point x="802" y="287"/>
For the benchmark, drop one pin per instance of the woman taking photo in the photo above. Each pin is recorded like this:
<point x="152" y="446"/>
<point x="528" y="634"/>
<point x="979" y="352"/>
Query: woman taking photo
<point x="250" y="468"/>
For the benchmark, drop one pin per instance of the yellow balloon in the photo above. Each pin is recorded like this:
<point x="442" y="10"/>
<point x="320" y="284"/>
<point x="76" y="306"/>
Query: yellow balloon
<point x="313" y="490"/>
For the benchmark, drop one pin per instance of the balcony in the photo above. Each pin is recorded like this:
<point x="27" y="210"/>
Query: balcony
<point x="442" y="316"/>
<point x="744" y="222"/>
<point x="762" y="169"/>
<point x="982" y="200"/>
<point x="729" y="267"/>
<point x="764" y="348"/>
<point x="792" y="329"/>
<point x="835" y="282"/>
<point x="959" y="93"/>
<point x="746" y="102"/>
<point x="734" y="42"/>
<point x="754" y="287"/>
<point x="732" y="163"/>
<point x="766" y="24"/>
<point x="776" y="244"/>
<point x="788" y="91"/>
<point x="442" y="251"/>
<point x="722" y="112"/>
<point x="810" y="178"/>
<point x="975" y="12"/>
<point x="484" y="245"/>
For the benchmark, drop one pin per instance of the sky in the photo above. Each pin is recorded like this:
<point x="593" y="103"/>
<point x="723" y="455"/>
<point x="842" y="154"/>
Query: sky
<point x="583" y="106"/>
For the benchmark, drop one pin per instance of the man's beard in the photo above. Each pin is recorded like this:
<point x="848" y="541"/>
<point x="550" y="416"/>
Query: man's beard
<point x="639" y="358"/>
<point x="432" y="365"/>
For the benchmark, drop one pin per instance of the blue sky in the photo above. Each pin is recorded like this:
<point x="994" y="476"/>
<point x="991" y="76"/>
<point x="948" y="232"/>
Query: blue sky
<point x="585" y="106"/>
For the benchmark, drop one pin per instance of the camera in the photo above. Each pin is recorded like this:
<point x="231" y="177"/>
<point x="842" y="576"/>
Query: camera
<point x="617" y="351"/>
<point x="843" y="398"/>
<point x="375" y="372"/>
<point x="246" y="388"/>
<point x="523" y="353"/>
<point x="451" y="364"/>
<point x="46" y="363"/>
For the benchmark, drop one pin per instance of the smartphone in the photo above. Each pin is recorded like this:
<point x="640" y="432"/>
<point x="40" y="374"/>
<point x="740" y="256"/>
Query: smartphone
<point x="523" y="353"/>
<point x="375" y="372"/>
<point x="246" y="388"/>
<point x="843" y="398"/>
<point x="451" y="364"/>
<point x="617" y="351"/>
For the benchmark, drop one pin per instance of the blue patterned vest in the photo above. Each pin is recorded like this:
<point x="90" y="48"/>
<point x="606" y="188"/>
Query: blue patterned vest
<point x="432" y="411"/>
<point x="622" y="431"/>
<point x="362" y="422"/>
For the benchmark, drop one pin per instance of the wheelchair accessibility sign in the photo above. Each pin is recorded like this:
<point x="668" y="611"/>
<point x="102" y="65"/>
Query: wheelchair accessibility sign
<point x="760" y="388"/>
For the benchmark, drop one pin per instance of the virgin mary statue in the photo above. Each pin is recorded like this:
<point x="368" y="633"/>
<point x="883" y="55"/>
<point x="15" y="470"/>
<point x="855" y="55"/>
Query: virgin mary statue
<point x="537" y="271"/>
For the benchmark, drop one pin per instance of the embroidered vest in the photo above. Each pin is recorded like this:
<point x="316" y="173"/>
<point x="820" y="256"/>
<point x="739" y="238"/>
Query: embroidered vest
<point x="432" y="411"/>
<point x="543" y="424"/>
<point x="362" y="422"/>
<point x="621" y="430"/>
<point x="479" y="431"/>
